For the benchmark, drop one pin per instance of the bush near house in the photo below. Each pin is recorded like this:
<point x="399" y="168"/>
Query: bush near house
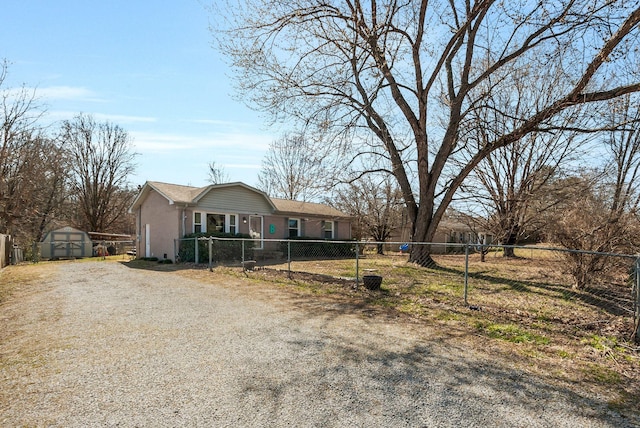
<point x="221" y="250"/>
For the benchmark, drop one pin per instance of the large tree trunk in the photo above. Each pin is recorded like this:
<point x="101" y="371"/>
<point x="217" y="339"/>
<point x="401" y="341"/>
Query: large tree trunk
<point x="423" y="233"/>
<point x="510" y="240"/>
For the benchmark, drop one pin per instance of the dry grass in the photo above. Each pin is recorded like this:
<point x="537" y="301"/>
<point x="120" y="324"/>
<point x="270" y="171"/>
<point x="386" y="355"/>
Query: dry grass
<point x="23" y="278"/>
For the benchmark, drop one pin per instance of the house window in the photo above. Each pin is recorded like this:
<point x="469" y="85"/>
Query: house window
<point x="327" y="229"/>
<point x="216" y="223"/>
<point x="294" y="228"/>
<point x="197" y="222"/>
<point x="222" y="223"/>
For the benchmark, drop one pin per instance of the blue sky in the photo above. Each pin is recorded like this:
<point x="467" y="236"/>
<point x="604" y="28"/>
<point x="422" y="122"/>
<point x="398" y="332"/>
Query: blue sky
<point x="147" y="66"/>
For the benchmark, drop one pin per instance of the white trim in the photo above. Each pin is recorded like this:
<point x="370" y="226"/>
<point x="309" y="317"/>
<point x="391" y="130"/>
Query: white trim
<point x="227" y="221"/>
<point x="333" y="229"/>
<point x="203" y="227"/>
<point x="298" y="229"/>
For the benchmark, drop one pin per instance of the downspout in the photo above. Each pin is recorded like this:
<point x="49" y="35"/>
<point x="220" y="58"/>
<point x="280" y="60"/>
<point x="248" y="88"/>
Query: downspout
<point x="184" y="225"/>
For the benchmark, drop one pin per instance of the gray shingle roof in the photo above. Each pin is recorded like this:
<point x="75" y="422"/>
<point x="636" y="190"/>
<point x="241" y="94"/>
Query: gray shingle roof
<point x="176" y="192"/>
<point x="180" y="194"/>
<point x="285" y="206"/>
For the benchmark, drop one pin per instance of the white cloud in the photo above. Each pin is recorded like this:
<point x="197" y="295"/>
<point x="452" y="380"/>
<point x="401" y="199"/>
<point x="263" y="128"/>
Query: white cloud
<point x="229" y="143"/>
<point x="119" y="118"/>
<point x="67" y="93"/>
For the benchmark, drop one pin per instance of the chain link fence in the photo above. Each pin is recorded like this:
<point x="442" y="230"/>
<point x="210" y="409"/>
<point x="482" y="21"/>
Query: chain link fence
<point x="54" y="250"/>
<point x="576" y="291"/>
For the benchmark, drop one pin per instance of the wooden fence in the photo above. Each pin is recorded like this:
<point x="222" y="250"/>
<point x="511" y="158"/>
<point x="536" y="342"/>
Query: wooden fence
<point x="6" y="246"/>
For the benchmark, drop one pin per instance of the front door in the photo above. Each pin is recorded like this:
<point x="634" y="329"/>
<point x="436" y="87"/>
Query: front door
<point x="255" y="230"/>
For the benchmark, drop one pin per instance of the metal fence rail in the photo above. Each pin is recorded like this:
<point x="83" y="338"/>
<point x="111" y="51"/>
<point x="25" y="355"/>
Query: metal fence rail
<point x="574" y="289"/>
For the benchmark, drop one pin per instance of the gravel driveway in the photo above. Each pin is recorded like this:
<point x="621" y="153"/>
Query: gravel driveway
<point x="102" y="344"/>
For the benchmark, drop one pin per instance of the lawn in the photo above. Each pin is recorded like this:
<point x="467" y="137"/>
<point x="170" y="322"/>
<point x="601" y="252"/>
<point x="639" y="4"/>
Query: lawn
<point x="523" y="309"/>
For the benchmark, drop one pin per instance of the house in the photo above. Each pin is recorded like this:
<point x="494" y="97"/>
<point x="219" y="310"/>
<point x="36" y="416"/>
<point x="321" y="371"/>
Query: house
<point x="166" y="212"/>
<point x="450" y="233"/>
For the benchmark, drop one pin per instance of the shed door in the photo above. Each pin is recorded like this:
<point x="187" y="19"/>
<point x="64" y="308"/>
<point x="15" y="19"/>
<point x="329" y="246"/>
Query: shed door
<point x="67" y="244"/>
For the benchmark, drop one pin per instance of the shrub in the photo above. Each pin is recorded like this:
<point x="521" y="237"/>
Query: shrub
<point x="221" y="250"/>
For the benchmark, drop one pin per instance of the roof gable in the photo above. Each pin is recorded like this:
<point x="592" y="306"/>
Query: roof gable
<point x="173" y="193"/>
<point x="234" y="197"/>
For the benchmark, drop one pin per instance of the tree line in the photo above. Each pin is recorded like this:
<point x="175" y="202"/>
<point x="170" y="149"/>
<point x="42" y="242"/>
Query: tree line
<point x="75" y="174"/>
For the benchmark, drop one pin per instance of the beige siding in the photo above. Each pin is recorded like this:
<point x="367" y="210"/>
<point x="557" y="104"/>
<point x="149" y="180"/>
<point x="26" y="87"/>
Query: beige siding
<point x="313" y="228"/>
<point x="165" y="226"/>
<point x="343" y="230"/>
<point x="234" y="200"/>
<point x="280" y="225"/>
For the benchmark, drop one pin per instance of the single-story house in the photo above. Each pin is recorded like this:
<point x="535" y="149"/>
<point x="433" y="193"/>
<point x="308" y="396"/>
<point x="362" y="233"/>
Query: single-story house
<point x="166" y="212"/>
<point x="449" y="231"/>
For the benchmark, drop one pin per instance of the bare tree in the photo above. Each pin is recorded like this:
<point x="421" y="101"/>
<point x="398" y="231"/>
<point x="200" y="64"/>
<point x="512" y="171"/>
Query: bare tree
<point x="602" y="215"/>
<point x="217" y="173"/>
<point x="291" y="169"/>
<point x="49" y="182"/>
<point x="509" y="188"/>
<point x="376" y="205"/>
<point x="19" y="154"/>
<point x="101" y="162"/>
<point x="408" y="75"/>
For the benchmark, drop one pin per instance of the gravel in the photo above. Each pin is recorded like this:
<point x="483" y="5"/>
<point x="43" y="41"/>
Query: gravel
<point x="101" y="344"/>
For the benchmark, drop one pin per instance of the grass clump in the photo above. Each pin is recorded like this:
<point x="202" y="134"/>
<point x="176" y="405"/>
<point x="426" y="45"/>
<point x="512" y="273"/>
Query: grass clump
<point x="602" y="374"/>
<point x="512" y="333"/>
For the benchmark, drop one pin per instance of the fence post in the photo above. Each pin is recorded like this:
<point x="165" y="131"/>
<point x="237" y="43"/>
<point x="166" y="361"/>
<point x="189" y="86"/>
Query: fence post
<point x="466" y="273"/>
<point x="242" y="256"/>
<point x="210" y="254"/>
<point x="289" y="259"/>
<point x="636" y="303"/>
<point x="357" y="265"/>
<point x="196" y="255"/>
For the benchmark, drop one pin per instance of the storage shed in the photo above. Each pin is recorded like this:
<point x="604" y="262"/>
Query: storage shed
<point x="66" y="243"/>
